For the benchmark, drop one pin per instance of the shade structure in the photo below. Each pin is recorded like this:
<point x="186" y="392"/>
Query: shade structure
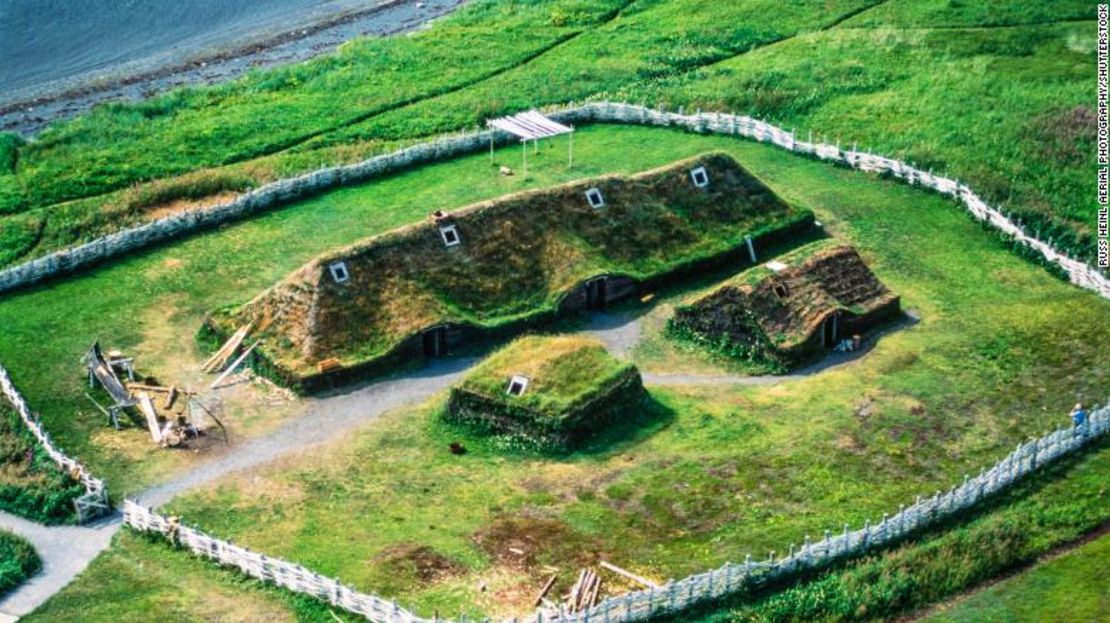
<point x="531" y="126"/>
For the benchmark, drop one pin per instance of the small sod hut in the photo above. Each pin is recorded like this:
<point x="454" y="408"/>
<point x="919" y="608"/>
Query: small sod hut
<point x="791" y="309"/>
<point x="556" y="391"/>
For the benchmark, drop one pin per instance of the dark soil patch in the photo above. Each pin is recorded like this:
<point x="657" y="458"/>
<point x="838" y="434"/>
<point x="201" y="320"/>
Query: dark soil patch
<point x="419" y="562"/>
<point x="529" y="543"/>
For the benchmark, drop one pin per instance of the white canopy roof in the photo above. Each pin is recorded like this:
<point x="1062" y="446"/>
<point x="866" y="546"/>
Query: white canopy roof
<point x="530" y="125"/>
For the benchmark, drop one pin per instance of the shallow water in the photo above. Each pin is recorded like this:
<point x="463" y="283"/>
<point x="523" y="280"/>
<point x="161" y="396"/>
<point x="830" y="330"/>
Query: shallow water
<point x="61" y="57"/>
<point x="43" y="42"/>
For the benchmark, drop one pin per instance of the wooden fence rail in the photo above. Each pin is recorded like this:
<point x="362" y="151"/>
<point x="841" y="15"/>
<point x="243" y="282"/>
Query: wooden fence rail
<point x="634" y="606"/>
<point x="284" y="191"/>
<point x="678" y="595"/>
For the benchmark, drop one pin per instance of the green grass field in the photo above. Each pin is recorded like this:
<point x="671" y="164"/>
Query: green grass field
<point x="31" y="484"/>
<point x="732" y="470"/>
<point x="18" y="561"/>
<point x="1071" y="587"/>
<point x="998" y="98"/>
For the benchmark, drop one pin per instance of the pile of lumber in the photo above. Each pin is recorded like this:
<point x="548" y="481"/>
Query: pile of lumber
<point x="219" y="360"/>
<point x="583" y="594"/>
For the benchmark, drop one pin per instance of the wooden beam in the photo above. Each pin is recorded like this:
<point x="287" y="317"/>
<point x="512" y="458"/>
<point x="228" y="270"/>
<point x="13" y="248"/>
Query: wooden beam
<point x="234" y="365"/>
<point x="639" y="579"/>
<point x="147" y="407"/>
<point x="170" y="397"/>
<point x="546" y="589"/>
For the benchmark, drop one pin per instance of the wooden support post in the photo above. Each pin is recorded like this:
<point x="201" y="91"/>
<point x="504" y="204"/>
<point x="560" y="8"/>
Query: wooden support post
<point x="570" y="149"/>
<point x="524" y="168"/>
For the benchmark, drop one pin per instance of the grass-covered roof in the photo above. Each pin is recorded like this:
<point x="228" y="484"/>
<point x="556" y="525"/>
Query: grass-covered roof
<point x="562" y="372"/>
<point x="518" y="256"/>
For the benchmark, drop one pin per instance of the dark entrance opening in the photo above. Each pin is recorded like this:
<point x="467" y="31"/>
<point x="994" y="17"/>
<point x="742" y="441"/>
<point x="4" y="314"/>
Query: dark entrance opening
<point x="596" y="293"/>
<point x="829" y="331"/>
<point x="435" y="342"/>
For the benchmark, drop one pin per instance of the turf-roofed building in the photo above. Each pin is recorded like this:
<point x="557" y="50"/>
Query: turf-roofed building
<point x="554" y="391"/>
<point x="792" y="309"/>
<point x="496" y="268"/>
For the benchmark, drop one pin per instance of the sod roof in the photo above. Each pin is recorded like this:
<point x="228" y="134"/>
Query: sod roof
<point x="563" y="372"/>
<point x="789" y="302"/>
<point x="517" y="256"/>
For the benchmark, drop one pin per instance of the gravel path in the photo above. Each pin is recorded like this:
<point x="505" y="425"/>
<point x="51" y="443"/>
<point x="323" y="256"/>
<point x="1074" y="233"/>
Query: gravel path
<point x="325" y="419"/>
<point x="67" y="550"/>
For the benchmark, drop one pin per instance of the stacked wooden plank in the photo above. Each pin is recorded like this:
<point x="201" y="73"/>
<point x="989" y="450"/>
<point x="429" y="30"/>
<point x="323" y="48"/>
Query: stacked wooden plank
<point x="583" y="594"/>
<point x="217" y="361"/>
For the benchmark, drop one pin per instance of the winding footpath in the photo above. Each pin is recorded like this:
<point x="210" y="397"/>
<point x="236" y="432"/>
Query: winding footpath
<point x="67" y="550"/>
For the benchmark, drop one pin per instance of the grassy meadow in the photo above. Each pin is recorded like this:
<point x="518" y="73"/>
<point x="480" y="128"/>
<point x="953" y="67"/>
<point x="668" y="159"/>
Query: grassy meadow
<point x="998" y="98"/>
<point x="31" y="484"/>
<point x="1070" y="587"/>
<point x="996" y="95"/>
<point x="722" y="471"/>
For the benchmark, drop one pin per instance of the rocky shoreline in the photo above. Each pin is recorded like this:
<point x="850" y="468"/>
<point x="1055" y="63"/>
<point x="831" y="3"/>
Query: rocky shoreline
<point x="28" y="116"/>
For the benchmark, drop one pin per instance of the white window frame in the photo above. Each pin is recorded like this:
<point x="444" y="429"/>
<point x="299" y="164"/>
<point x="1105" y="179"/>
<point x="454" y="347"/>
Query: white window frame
<point x="452" y="230"/>
<point x="339" y="271"/>
<point x="699" y="172"/>
<point x="591" y="194"/>
<point x="517" y="379"/>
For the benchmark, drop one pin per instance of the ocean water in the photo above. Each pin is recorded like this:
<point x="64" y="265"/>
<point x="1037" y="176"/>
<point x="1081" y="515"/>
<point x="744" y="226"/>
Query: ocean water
<point x="49" y="45"/>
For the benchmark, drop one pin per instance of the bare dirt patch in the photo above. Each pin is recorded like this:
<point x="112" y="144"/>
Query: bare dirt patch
<point x="419" y="562"/>
<point x="531" y="543"/>
<point x="181" y="205"/>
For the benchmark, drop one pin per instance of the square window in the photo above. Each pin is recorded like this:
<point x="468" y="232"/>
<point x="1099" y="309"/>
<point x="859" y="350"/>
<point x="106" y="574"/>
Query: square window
<point x="517" y="385"/>
<point x="593" y="195"/>
<point x="339" y="271"/>
<point x="700" y="177"/>
<point x="450" y="235"/>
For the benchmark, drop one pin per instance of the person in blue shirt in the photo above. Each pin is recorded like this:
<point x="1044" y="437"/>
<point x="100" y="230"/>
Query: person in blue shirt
<point x="1078" y="415"/>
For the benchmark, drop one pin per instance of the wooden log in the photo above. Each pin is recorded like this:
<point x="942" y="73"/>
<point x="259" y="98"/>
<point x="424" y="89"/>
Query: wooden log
<point x="147" y="407"/>
<point x="170" y="397"/>
<point x="148" y="388"/>
<point x="593" y="594"/>
<point x="543" y="592"/>
<point x="639" y="579"/>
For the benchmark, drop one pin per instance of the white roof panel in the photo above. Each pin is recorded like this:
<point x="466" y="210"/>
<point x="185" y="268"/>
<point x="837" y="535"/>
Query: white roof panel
<point x="530" y="125"/>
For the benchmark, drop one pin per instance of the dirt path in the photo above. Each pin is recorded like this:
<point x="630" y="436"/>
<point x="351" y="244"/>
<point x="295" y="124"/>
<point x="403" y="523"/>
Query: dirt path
<point x="67" y="550"/>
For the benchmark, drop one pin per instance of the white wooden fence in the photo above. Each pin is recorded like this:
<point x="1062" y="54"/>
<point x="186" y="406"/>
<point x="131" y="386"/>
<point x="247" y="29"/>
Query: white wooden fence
<point x="676" y="595"/>
<point x="95" y="500"/>
<point x="634" y="606"/>
<point x="283" y="191"/>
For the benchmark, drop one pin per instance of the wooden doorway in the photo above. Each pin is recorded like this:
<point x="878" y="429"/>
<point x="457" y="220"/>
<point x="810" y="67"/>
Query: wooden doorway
<point x="597" y="290"/>
<point x="435" y="342"/>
